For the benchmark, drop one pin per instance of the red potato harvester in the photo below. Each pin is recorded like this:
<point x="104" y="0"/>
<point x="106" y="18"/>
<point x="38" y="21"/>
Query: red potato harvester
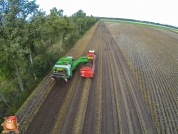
<point x="87" y="70"/>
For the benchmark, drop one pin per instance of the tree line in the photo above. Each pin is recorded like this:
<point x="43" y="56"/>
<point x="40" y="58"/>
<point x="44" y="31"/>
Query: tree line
<point x="27" y="51"/>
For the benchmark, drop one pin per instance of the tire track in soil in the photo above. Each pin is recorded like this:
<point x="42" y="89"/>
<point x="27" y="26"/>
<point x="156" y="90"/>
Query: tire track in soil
<point x="138" y="115"/>
<point x="125" y="118"/>
<point x="45" y="117"/>
<point x="67" y="109"/>
<point x="93" y="110"/>
<point x="71" y="111"/>
<point x="79" y="119"/>
<point x="110" y="120"/>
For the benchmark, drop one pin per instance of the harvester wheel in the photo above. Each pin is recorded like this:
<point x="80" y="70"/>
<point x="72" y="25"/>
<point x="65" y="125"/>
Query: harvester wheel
<point x="71" y="76"/>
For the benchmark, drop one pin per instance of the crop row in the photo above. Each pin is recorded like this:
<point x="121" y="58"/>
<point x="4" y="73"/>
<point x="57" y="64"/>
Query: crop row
<point x="28" y="110"/>
<point x="155" y="69"/>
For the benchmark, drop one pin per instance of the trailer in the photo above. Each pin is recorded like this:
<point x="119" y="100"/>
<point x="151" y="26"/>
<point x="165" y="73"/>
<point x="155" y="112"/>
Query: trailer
<point x="88" y="69"/>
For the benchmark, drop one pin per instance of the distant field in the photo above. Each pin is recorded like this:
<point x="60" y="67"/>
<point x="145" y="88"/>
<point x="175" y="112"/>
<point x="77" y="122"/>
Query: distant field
<point x="140" y="23"/>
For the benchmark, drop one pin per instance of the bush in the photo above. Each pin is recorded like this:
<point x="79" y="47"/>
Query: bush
<point x="43" y="64"/>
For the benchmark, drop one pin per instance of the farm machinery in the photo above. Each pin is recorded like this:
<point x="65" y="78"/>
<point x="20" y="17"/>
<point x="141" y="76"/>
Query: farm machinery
<point x="87" y="70"/>
<point x="66" y="65"/>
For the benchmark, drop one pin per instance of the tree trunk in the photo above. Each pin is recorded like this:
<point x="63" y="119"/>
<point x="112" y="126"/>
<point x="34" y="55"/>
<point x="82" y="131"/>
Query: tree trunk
<point x="52" y="44"/>
<point x="60" y="45"/>
<point x="31" y="60"/>
<point x="3" y="99"/>
<point x="80" y="27"/>
<point x="19" y="77"/>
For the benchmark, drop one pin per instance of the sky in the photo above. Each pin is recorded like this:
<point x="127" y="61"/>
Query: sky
<point x="158" y="11"/>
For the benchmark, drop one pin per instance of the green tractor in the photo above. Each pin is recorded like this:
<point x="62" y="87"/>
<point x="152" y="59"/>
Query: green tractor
<point x="65" y="66"/>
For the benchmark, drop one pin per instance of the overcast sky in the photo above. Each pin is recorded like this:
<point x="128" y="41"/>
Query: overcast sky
<point x="159" y="11"/>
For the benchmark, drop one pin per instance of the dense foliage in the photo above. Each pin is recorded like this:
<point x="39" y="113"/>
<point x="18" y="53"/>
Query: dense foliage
<point x="30" y="44"/>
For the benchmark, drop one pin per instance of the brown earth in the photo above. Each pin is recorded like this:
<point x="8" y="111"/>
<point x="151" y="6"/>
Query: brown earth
<point x="133" y="90"/>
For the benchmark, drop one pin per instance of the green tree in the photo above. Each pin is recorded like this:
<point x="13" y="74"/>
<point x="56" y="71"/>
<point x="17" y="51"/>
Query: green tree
<point x="13" y="31"/>
<point x="79" y="17"/>
<point x="55" y="12"/>
<point x="58" y="26"/>
<point x="35" y="27"/>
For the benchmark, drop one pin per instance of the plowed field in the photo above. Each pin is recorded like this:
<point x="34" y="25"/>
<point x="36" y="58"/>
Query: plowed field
<point x="134" y="89"/>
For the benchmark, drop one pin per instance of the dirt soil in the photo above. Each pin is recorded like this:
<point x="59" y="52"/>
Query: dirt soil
<point x="132" y="90"/>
